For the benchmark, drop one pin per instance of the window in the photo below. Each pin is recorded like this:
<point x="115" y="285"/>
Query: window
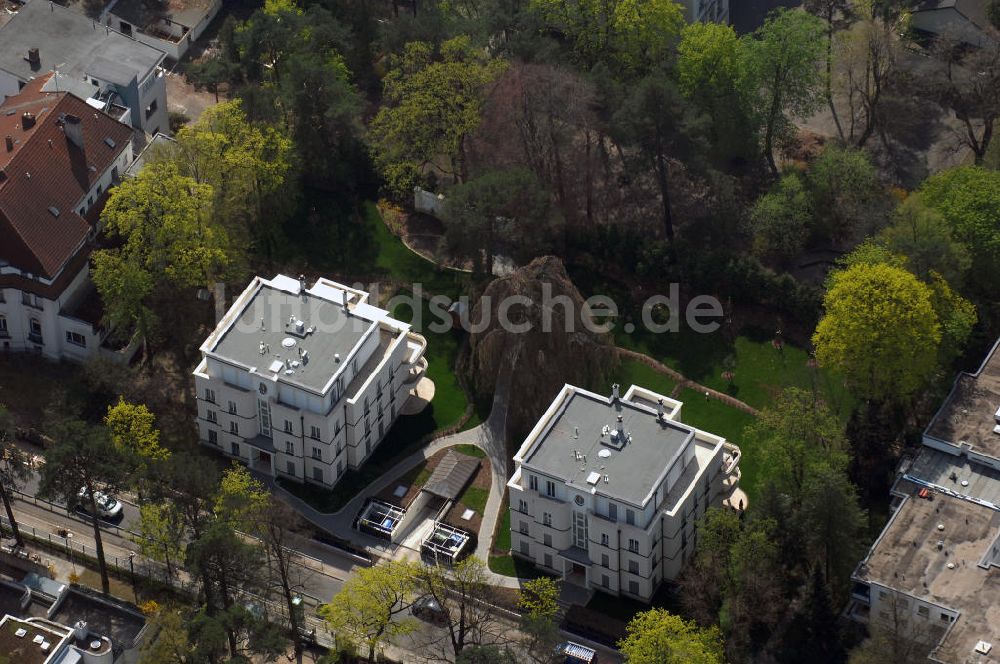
<point x="605" y="581"/>
<point x="525" y="548"/>
<point x="264" y="408"/>
<point x="605" y="560"/>
<point x="232" y="407"/>
<point x="3" y="324"/>
<point x="547" y="519"/>
<point x="291" y="467"/>
<point x="151" y="109"/>
<point x="547" y="539"/>
<point x="633" y="545"/>
<point x="633" y="587"/>
<point x="234" y="428"/>
<point x="213" y="436"/>
<point x="317" y="453"/>
<point x="523" y="527"/>
<point x="945" y="618"/>
<point x="580" y="529"/>
<point x="288" y="426"/>
<point x="209" y="395"/>
<point x="235" y="449"/>
<point x="522" y="506"/>
<point x="317" y="473"/>
<point x="76" y="339"/>
<point x="630" y="517"/>
<point x="289" y="447"/>
<point x="604" y="539"/>
<point x="211" y="416"/>
<point x="550" y="488"/>
<point x="336" y="428"/>
<point x="35" y="333"/>
<point x="923" y="611"/>
<point x="314" y="432"/>
<point x="633" y="567"/>
<point x="340" y="468"/>
<point x="612" y="511"/>
<point x="548" y="560"/>
<point x="533" y="483"/>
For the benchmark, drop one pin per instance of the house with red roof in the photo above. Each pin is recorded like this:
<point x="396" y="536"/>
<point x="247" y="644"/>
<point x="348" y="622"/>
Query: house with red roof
<point x="58" y="158"/>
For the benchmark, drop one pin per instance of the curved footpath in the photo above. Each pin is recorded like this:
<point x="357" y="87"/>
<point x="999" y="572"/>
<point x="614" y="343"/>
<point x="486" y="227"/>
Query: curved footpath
<point x="488" y="436"/>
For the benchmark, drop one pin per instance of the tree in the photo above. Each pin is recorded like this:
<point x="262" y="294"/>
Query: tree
<point x="864" y="68"/>
<point x="538" y="602"/>
<point x="467" y="597"/>
<point x="968" y="198"/>
<point x="703" y="582"/>
<point x="709" y="61"/>
<point x="82" y="458"/>
<point x="754" y="590"/>
<point x="14" y="470"/>
<point x="659" y="637"/>
<point x="506" y="213"/>
<point x="245" y="166"/>
<point x="657" y="121"/>
<point x="993" y="13"/>
<point x="632" y="35"/>
<point x="921" y="234"/>
<point x="781" y="63"/>
<point x="814" y="634"/>
<point x="834" y="525"/>
<point x="487" y="655"/>
<point x="432" y="104"/>
<point x="847" y="198"/>
<point x="133" y="431"/>
<point x="837" y="15"/>
<point x="369" y="607"/>
<point x="161" y="536"/>
<point x="797" y="437"/>
<point x="879" y="331"/>
<point x="780" y="221"/>
<point x="967" y="81"/>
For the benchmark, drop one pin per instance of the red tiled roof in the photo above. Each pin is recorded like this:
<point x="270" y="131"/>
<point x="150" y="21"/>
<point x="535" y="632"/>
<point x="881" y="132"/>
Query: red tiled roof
<point x="45" y="170"/>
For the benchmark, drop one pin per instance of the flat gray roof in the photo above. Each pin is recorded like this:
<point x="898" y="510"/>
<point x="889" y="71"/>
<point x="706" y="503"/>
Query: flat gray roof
<point x="968" y="412"/>
<point x="335" y="332"/>
<point x="633" y="470"/>
<point x="73" y="43"/>
<point x="956" y="475"/>
<point x="906" y="557"/>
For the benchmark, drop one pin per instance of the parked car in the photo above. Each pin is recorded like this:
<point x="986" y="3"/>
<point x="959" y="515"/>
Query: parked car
<point x="574" y="653"/>
<point x="427" y="608"/>
<point x="107" y="507"/>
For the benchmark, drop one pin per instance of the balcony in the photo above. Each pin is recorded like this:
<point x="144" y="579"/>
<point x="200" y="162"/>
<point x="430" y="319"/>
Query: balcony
<point x="731" y="458"/>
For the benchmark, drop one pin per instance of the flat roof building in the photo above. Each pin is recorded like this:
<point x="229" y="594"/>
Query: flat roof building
<point x="303" y="382"/>
<point x="606" y="490"/>
<point x="934" y="571"/>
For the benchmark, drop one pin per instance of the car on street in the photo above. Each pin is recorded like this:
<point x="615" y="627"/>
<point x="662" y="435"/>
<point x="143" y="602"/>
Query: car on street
<point x="107" y="507"/>
<point x="427" y="609"/>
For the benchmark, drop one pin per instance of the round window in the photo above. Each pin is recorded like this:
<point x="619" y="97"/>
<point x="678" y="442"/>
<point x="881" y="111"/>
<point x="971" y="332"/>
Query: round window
<point x="579" y="500"/>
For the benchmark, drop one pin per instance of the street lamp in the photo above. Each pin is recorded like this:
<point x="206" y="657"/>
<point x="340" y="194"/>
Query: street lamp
<point x="131" y="568"/>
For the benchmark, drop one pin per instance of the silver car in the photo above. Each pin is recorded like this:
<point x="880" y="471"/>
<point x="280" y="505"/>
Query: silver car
<point x="107" y="507"/>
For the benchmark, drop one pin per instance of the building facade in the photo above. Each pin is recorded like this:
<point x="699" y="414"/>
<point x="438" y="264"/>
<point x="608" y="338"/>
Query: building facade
<point x="933" y="575"/>
<point x="58" y="159"/>
<point x="303" y="383"/>
<point x="169" y="27"/>
<point x="606" y="491"/>
<point x="95" y="63"/>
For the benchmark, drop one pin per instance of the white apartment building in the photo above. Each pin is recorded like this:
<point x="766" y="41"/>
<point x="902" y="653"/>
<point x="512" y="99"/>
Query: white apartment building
<point x="606" y="491"/>
<point x="58" y="158"/>
<point x="304" y="382"/>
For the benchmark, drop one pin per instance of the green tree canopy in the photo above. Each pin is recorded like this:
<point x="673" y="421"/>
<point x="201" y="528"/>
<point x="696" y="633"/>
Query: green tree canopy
<point x="880" y="331"/>
<point x="432" y="103"/>
<point x="923" y="236"/>
<point x="780" y="220"/>
<point x="657" y="636"/>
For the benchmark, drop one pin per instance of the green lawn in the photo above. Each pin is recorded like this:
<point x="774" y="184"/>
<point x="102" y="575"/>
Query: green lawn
<point x="511" y="566"/>
<point x="633" y="372"/>
<point x="761" y="370"/>
<point x="475" y="498"/>
<point x="502" y="542"/>
<point x="470" y="450"/>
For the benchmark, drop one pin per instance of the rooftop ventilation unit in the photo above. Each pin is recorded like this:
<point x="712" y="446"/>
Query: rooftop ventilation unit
<point x="276" y="366"/>
<point x="593" y="478"/>
<point x="984" y="647"/>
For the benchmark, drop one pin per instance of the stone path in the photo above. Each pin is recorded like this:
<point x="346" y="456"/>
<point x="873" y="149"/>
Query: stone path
<point x="490" y="436"/>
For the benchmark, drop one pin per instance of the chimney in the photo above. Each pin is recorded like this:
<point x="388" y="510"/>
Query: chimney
<point x="74" y="130"/>
<point x="9" y="141"/>
<point x="27" y="121"/>
<point x="34" y="58"/>
<point x="615" y="392"/>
